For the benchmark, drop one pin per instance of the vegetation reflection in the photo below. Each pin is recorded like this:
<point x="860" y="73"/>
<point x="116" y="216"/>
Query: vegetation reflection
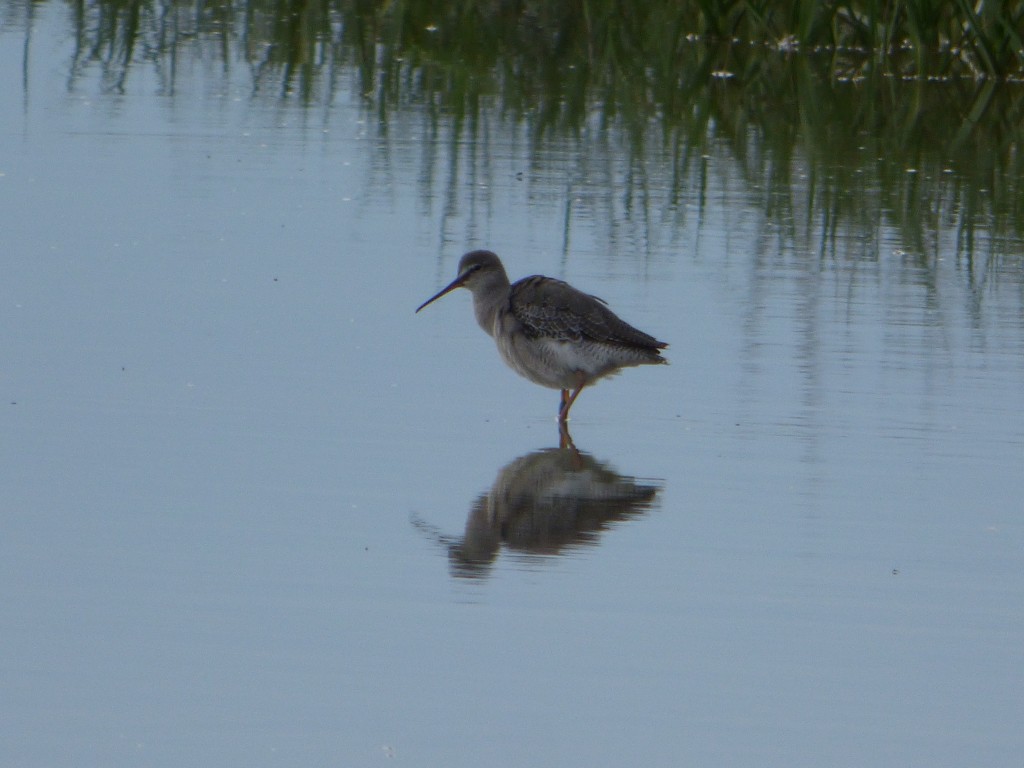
<point x="839" y="114"/>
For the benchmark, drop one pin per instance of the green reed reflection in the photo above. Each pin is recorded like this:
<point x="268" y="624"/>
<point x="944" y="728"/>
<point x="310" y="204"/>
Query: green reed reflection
<point x="909" y="112"/>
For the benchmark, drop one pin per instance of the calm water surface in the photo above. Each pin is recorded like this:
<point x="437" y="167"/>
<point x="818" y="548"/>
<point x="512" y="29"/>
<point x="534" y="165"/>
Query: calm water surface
<point x="257" y="512"/>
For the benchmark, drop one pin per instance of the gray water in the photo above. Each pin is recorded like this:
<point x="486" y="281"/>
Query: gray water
<point x="258" y="512"/>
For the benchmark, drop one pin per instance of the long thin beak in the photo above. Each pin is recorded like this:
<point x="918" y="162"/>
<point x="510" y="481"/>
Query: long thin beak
<point x="456" y="283"/>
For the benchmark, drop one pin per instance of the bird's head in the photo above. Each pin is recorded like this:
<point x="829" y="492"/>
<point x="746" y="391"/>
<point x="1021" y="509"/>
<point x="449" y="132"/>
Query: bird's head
<point x="476" y="270"/>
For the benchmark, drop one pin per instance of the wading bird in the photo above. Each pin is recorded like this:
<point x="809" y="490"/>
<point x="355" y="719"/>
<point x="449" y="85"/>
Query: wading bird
<point x="549" y="332"/>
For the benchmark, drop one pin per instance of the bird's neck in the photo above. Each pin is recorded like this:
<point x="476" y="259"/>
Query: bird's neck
<point x="488" y="299"/>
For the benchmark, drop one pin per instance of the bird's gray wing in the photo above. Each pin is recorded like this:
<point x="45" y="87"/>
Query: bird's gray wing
<point x="551" y="308"/>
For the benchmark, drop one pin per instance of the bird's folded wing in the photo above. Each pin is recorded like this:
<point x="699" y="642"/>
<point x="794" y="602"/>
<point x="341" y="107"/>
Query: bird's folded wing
<point x="550" y="308"/>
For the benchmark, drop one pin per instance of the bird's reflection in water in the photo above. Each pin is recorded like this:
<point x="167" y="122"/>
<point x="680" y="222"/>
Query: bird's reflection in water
<point x="542" y="504"/>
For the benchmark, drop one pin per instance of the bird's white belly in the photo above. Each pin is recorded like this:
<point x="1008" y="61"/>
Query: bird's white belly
<point x="556" y="364"/>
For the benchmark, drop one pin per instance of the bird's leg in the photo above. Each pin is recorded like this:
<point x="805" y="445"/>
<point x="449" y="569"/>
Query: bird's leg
<point x="563" y="413"/>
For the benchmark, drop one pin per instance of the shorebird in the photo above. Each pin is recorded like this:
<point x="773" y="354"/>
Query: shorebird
<point x="549" y="332"/>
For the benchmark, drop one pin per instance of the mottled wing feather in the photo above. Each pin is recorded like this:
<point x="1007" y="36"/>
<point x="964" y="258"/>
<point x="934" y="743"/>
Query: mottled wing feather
<point x="550" y="308"/>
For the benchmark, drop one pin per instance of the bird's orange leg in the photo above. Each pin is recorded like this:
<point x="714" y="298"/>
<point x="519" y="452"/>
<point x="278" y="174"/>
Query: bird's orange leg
<point x="563" y="413"/>
<point x="561" y="404"/>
